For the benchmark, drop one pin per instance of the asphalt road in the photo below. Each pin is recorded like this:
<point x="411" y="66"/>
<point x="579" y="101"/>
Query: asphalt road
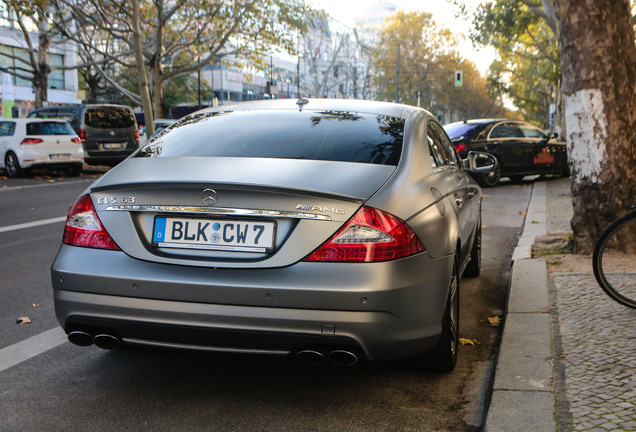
<point x="59" y="386"/>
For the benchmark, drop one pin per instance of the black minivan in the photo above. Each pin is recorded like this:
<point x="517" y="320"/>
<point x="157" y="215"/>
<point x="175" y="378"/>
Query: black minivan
<point x="109" y="133"/>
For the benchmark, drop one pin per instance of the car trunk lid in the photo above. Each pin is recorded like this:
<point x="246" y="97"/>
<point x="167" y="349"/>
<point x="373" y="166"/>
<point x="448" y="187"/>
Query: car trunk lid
<point x="229" y="211"/>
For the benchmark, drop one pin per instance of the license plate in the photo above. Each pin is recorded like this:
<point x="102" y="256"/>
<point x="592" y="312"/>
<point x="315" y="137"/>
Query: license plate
<point x="113" y="146"/>
<point x="59" y="156"/>
<point x="214" y="234"/>
<point x="543" y="159"/>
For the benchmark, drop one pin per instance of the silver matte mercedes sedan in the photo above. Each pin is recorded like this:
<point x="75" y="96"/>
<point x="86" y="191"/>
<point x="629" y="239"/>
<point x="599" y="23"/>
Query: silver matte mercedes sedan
<point x="325" y="230"/>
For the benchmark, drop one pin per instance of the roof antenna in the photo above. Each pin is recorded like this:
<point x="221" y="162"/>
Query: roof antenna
<point x="301" y="101"/>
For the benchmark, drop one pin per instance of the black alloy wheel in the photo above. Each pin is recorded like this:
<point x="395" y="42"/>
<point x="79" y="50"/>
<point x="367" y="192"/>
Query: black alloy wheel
<point x="474" y="265"/>
<point x="12" y="165"/>
<point x="490" y="179"/>
<point x="443" y="357"/>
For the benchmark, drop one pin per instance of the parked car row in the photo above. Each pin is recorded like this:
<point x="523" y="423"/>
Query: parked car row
<point x="108" y="134"/>
<point x="66" y="137"/>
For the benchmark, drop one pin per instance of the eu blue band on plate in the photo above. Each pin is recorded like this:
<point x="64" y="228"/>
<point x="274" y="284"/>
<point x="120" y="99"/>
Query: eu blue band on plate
<point x="160" y="230"/>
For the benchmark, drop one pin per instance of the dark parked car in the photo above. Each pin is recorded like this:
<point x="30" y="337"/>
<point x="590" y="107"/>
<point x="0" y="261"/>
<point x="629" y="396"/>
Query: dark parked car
<point x="521" y="148"/>
<point x="109" y="133"/>
<point x="321" y="229"/>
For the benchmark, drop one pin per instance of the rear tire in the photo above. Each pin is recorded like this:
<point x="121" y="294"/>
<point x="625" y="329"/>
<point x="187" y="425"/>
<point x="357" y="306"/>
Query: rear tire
<point x="490" y="179"/>
<point x="443" y="357"/>
<point x="474" y="265"/>
<point x="73" y="171"/>
<point x="12" y="165"/>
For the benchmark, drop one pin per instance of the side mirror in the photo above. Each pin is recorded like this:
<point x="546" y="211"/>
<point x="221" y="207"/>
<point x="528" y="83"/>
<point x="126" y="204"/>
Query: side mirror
<point x="479" y="162"/>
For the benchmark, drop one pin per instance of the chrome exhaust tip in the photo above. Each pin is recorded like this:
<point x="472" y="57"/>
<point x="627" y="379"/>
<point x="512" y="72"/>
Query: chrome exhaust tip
<point x="342" y="358"/>
<point x="106" y="341"/>
<point x="310" y="358"/>
<point x="80" y="338"/>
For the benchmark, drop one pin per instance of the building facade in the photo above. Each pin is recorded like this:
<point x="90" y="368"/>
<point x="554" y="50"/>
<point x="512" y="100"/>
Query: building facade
<point x="63" y="83"/>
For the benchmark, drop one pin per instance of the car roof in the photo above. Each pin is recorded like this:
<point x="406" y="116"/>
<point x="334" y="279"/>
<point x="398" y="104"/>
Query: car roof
<point x="34" y="120"/>
<point x="353" y="105"/>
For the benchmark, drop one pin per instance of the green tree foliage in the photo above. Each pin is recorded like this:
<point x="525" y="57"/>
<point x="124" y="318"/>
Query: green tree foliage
<point x="199" y="31"/>
<point x="185" y="90"/>
<point x="427" y="65"/>
<point x="528" y="68"/>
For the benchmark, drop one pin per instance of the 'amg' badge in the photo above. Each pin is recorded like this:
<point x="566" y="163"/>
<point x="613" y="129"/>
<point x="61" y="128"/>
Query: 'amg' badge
<point x="320" y="209"/>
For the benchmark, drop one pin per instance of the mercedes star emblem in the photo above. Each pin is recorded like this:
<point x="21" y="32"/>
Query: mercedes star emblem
<point x="209" y="196"/>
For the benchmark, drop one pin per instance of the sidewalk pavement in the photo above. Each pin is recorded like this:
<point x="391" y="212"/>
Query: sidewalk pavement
<point x="567" y="359"/>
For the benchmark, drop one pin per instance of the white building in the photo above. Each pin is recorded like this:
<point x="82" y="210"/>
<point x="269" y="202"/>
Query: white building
<point x="63" y="84"/>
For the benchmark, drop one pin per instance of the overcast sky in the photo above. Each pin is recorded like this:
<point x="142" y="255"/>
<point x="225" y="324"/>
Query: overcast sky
<point x="345" y="11"/>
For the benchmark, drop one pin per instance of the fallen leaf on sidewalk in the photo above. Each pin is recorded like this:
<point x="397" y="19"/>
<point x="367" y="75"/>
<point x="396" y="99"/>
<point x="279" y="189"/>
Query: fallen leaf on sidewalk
<point x="484" y="226"/>
<point x="485" y="196"/>
<point x="36" y="304"/>
<point x="494" y="321"/>
<point x="465" y="341"/>
<point x="23" y="320"/>
<point x="522" y="213"/>
<point x="51" y="181"/>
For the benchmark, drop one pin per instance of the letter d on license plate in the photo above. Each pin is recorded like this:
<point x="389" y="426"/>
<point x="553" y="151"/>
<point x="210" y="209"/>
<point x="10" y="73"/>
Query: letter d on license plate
<point x="212" y="234"/>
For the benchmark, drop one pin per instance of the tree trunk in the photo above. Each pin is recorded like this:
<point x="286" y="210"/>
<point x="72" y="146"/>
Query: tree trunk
<point x="141" y="69"/>
<point x="598" y="63"/>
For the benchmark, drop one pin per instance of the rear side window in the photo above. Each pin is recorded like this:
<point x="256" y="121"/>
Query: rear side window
<point x="7" y="128"/>
<point x="109" y="118"/>
<point x="532" y="132"/>
<point x="506" y="130"/>
<point x="316" y="135"/>
<point x="49" y="128"/>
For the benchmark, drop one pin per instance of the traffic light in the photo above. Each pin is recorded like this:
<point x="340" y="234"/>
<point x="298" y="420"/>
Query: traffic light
<point x="459" y="77"/>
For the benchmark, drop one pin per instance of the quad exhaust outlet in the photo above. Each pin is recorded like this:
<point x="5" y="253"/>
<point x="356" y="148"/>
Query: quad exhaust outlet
<point x="102" y="340"/>
<point x="336" y="357"/>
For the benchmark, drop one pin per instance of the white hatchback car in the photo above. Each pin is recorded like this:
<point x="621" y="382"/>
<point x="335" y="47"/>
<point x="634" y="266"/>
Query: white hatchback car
<point x="37" y="143"/>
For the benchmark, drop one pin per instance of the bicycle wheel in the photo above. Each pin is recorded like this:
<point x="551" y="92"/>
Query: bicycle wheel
<point x="614" y="260"/>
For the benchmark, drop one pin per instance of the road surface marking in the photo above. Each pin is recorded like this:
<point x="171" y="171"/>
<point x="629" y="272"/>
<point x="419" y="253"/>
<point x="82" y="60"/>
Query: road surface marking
<point x="32" y="224"/>
<point x="30" y="186"/>
<point x="28" y="348"/>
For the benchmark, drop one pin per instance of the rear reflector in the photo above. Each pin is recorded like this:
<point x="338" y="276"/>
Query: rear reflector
<point x="460" y="146"/>
<point x="370" y="236"/>
<point x="83" y="227"/>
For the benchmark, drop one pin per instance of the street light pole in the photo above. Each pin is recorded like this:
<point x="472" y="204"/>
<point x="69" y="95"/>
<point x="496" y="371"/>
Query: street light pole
<point x="397" y="79"/>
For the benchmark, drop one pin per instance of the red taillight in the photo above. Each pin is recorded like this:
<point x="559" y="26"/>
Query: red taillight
<point x="137" y="135"/>
<point x="83" y="227"/>
<point x="82" y="135"/>
<point x="460" y="146"/>
<point x="370" y="236"/>
<point x="28" y="141"/>
<point x="76" y="140"/>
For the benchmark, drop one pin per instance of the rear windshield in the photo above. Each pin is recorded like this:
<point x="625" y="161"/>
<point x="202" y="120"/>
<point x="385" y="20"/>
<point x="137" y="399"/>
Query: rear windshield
<point x="324" y="135"/>
<point x="456" y="130"/>
<point x="49" y="128"/>
<point x="109" y="118"/>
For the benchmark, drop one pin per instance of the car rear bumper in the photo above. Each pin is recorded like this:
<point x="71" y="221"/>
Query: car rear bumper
<point x="381" y="311"/>
<point x="30" y="158"/>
